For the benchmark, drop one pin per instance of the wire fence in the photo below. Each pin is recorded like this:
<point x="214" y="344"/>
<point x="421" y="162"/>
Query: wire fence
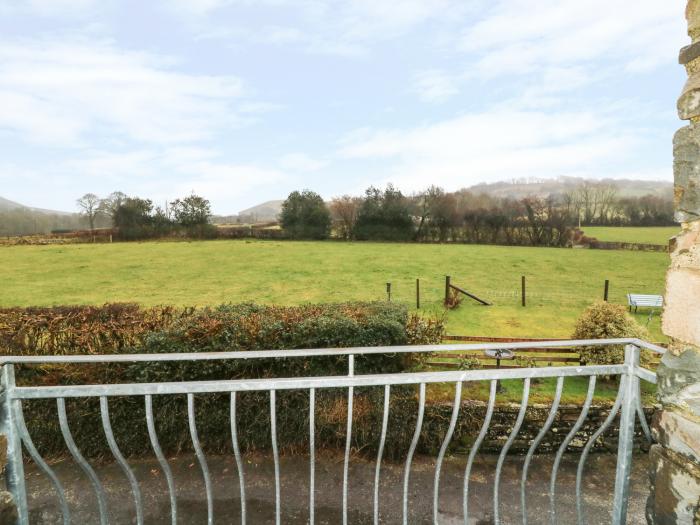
<point x="539" y="291"/>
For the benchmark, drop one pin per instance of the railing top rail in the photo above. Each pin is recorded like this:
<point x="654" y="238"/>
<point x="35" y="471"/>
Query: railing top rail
<point x="314" y="352"/>
<point x="300" y="383"/>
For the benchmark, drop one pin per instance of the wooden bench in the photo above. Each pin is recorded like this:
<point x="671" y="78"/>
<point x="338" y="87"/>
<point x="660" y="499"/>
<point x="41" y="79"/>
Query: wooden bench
<point x="649" y="301"/>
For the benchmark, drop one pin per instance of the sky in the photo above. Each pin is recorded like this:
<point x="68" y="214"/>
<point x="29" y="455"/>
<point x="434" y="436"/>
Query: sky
<point x="243" y="101"/>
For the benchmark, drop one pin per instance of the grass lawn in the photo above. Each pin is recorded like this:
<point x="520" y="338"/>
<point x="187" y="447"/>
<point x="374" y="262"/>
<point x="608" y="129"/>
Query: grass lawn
<point x="642" y="235"/>
<point x="560" y="282"/>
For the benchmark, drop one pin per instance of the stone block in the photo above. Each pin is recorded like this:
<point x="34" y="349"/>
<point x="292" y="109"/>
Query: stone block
<point x="676" y="374"/>
<point x="686" y="246"/>
<point x="675" y="498"/>
<point x="688" y="104"/>
<point x="681" y="317"/>
<point x="686" y="167"/>
<point x="678" y="433"/>
<point x="692" y="13"/>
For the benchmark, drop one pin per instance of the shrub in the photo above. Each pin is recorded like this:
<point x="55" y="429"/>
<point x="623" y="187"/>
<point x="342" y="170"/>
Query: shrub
<point x="607" y="321"/>
<point x="425" y="331"/>
<point x="469" y="362"/>
<point x="304" y="215"/>
<point x="192" y="210"/>
<point x="384" y="216"/>
<point x="241" y="327"/>
<point x="453" y="300"/>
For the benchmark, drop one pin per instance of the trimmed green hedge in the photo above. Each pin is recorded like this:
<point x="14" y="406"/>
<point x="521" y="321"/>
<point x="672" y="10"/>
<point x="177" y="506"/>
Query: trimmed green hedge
<point x="243" y="327"/>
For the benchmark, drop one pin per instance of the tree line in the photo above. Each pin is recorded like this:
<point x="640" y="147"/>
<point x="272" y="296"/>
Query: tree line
<point x="601" y="204"/>
<point x="136" y="218"/>
<point x="434" y="215"/>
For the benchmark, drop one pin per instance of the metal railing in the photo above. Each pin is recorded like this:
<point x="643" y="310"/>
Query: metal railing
<point x="628" y="403"/>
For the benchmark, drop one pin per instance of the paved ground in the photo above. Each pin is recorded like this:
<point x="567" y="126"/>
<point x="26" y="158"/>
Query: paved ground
<point x="294" y="475"/>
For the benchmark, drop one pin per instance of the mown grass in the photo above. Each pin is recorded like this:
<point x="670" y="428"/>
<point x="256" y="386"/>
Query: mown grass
<point x="642" y="235"/>
<point x="560" y="282"/>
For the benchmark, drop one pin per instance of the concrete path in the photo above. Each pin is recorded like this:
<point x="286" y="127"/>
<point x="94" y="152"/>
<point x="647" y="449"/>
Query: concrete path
<point x="259" y="472"/>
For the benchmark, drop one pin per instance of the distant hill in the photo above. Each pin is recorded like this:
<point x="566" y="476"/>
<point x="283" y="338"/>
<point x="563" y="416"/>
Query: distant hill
<point x="19" y="219"/>
<point x="267" y="211"/>
<point x="519" y="189"/>
<point x="8" y="205"/>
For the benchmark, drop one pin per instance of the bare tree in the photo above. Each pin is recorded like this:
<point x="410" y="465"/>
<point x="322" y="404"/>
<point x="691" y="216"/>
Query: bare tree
<point x="110" y="204"/>
<point x="607" y="197"/>
<point x="90" y="207"/>
<point x="344" y="210"/>
<point x="426" y="204"/>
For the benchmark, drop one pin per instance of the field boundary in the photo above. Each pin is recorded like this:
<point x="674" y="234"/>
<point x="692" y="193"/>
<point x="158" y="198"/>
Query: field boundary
<point x="634" y="246"/>
<point x="561" y="356"/>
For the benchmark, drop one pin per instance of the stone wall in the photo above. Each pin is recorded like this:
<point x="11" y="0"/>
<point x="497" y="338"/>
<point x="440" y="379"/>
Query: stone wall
<point x="675" y="474"/>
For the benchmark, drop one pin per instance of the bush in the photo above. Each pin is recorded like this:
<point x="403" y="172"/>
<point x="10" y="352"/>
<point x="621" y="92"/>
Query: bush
<point x="384" y="216"/>
<point x="304" y="215"/>
<point x="241" y="327"/>
<point x="607" y="321"/>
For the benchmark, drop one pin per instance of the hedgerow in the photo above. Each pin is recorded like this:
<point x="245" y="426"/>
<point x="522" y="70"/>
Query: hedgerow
<point x="240" y="327"/>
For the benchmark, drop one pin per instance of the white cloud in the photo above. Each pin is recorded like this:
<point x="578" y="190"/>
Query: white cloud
<point x="494" y="145"/>
<point x="197" y="7"/>
<point x="187" y="169"/>
<point x="70" y="93"/>
<point x="344" y="28"/>
<point x="300" y="162"/>
<point x="435" y="86"/>
<point x="521" y="36"/>
<point x="47" y="7"/>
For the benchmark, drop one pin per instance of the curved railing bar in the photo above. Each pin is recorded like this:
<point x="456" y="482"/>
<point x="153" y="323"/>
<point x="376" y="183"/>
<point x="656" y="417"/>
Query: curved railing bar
<point x="80" y="459"/>
<point x="165" y="467"/>
<point x="475" y="449"/>
<point x="640" y="413"/>
<point x="200" y="458"/>
<point x="587" y="448"/>
<point x="107" y="427"/>
<point x="506" y="447"/>
<point x="237" y="456"/>
<point x="562" y="448"/>
<point x="36" y="457"/>
<point x="443" y="449"/>
<point x="380" y="452"/>
<point x="275" y="455"/>
<point x="528" y="458"/>
<point x="412" y="449"/>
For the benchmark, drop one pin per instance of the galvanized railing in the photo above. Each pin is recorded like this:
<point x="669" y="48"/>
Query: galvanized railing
<point x="628" y="403"/>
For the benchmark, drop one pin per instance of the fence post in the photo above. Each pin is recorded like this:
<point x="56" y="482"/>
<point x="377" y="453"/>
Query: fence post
<point x="417" y="294"/>
<point x="388" y="292"/>
<point x="522" y="286"/>
<point x="628" y="382"/>
<point x="605" y="292"/>
<point x="14" y="471"/>
<point x="447" y="288"/>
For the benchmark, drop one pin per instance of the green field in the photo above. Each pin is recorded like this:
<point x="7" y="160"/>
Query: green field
<point x="642" y="235"/>
<point x="560" y="282"/>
